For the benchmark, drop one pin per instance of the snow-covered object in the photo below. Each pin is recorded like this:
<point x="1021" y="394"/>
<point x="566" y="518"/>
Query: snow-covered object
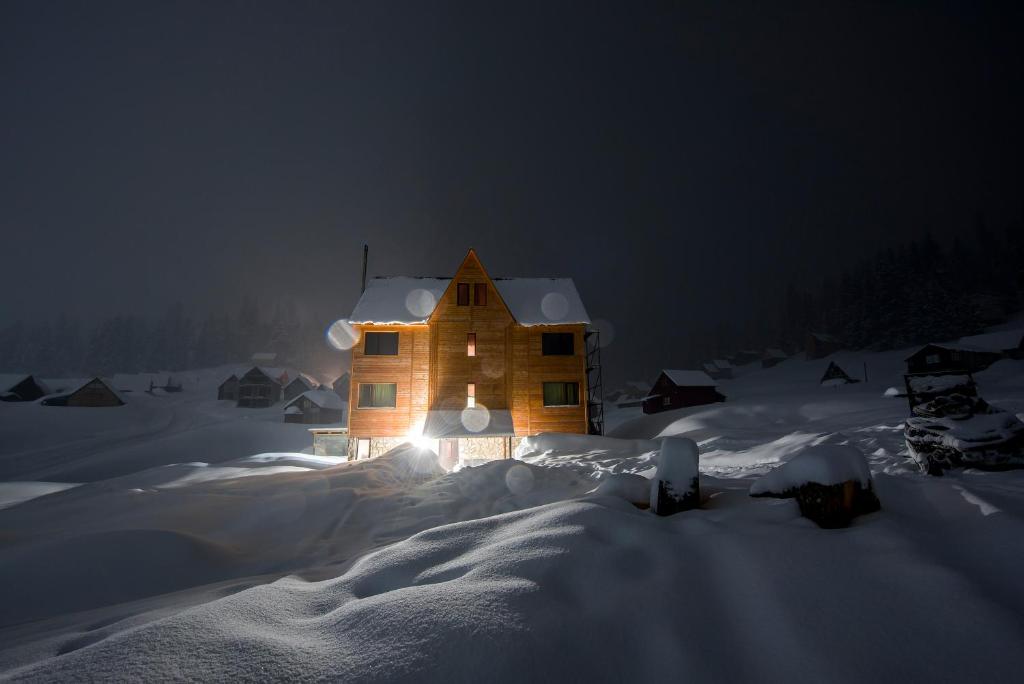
<point x="722" y="364"/>
<point x="636" y="489"/>
<point x="937" y="384"/>
<point x="410" y="300"/>
<point x="675" y="486"/>
<point x="325" y="399"/>
<point x="824" y="464"/>
<point x="979" y="436"/>
<point x="892" y="392"/>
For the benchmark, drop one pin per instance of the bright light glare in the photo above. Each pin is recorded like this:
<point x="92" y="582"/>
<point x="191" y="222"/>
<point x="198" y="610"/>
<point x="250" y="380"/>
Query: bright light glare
<point x="342" y="336"/>
<point x="554" y="306"/>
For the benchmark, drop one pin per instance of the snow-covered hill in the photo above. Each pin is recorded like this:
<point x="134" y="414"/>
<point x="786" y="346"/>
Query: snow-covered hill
<point x="280" y="566"/>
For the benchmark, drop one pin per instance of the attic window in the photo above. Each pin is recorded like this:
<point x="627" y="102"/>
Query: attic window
<point x="470" y="344"/>
<point x="380" y="344"/>
<point x="462" y="291"/>
<point x="480" y="294"/>
<point x="557" y="344"/>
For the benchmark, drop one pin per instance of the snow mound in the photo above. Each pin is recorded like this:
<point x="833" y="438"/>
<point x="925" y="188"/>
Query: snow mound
<point x="590" y="455"/>
<point x="824" y="464"/>
<point x="633" y="488"/>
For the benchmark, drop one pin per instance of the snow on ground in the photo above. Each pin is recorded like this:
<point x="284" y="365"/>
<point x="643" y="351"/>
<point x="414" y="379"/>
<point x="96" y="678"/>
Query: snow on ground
<point x="284" y="565"/>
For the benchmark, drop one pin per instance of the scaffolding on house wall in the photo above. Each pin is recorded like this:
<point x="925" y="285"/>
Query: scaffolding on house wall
<point x="595" y="390"/>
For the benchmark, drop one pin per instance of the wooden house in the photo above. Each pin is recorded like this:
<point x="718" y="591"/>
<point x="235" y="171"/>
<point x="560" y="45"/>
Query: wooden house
<point x="819" y="345"/>
<point x="679" y="388"/>
<point x="261" y="386"/>
<point x="299" y="384"/>
<point x="95" y="392"/>
<point x="953" y="357"/>
<point x="22" y="388"/>
<point x="315" y="406"/>
<point x="471" y="361"/>
<point x="228" y="390"/>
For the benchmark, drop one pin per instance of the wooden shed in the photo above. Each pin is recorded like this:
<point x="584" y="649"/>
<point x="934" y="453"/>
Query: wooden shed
<point x="820" y="345"/>
<point x="228" y="390"/>
<point x="96" y="392"/>
<point x="953" y="357"/>
<point x="315" y="406"/>
<point x="680" y="388"/>
<point x="260" y="387"/>
<point x="299" y="384"/>
<point x="22" y="388"/>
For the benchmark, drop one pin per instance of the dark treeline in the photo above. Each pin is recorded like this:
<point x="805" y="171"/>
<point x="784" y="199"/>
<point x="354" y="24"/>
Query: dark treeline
<point x="174" y="341"/>
<point x="918" y="292"/>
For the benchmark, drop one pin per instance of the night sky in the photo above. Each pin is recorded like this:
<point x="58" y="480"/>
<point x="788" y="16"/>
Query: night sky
<point x="681" y="161"/>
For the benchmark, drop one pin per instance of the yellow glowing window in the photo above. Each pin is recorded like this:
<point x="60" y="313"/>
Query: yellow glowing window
<point x="471" y="395"/>
<point x="470" y="344"/>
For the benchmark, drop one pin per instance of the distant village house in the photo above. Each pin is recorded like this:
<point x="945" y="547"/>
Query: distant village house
<point x="315" y="406"/>
<point x="22" y="388"/>
<point x="96" y="392"/>
<point x="680" y="388"/>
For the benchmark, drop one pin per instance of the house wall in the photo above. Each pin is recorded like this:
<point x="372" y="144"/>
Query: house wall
<point x="94" y="393"/>
<point x="432" y="368"/>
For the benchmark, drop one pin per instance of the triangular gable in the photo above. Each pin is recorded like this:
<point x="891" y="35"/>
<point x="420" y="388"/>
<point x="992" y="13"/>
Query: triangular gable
<point x="471" y="261"/>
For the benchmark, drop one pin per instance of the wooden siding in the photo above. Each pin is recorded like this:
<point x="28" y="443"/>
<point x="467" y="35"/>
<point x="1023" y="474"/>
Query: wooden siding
<point x="432" y="369"/>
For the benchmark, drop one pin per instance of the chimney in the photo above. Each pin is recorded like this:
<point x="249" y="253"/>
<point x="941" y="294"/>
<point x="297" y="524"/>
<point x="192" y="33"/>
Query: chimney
<point x="366" y="251"/>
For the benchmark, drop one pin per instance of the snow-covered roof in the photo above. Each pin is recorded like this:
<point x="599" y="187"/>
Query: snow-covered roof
<point x="409" y="300"/>
<point x="273" y="373"/>
<point x="322" y="398"/>
<point x="710" y="367"/>
<point x="689" y="378"/>
<point x="772" y="353"/>
<point x="722" y="363"/>
<point x="307" y="380"/>
<point x="10" y="381"/>
<point x="470" y="422"/>
<point x="995" y="341"/>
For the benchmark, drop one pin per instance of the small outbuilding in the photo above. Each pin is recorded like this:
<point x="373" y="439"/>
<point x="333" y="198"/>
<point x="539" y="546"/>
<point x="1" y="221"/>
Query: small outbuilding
<point x="299" y="384"/>
<point x="315" y="406"/>
<point x="953" y="357"/>
<point x="96" y="392"/>
<point x="679" y="388"/>
<point x="260" y="387"/>
<point x="22" y="388"/>
<point x="834" y="375"/>
<point x="819" y="345"/>
<point x="228" y="390"/>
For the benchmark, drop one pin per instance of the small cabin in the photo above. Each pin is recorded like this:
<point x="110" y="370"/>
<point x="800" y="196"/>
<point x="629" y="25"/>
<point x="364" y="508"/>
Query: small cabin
<point x="96" y="392"/>
<point x="22" y="388"/>
<point x="819" y="345"/>
<point x="228" y="390"/>
<point x="299" y="384"/>
<point x="261" y="387"/>
<point x="954" y="357"/>
<point x="680" y="388"/>
<point x="316" y="407"/>
<point x="834" y="376"/>
<point x="772" y="357"/>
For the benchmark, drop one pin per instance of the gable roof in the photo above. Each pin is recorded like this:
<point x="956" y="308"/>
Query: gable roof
<point x="322" y="398"/>
<point x="689" y="378"/>
<point x="9" y="382"/>
<point x="404" y="300"/>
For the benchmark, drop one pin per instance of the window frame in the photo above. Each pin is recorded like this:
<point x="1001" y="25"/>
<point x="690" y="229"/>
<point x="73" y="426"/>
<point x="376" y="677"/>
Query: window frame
<point x="471" y="344"/>
<point x="564" y="383"/>
<point x="359" y="395"/>
<point x="479" y="294"/>
<point x="544" y="347"/>
<point x="377" y="337"/>
<point x="471" y="395"/>
<point x="462" y="294"/>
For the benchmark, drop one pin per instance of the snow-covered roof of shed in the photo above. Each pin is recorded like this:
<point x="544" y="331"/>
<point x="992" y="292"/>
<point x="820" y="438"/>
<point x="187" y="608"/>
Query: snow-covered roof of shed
<point x="689" y="378"/>
<point x="322" y="398"/>
<point x="9" y="381"/>
<point x="722" y="363"/>
<point x="409" y="300"/>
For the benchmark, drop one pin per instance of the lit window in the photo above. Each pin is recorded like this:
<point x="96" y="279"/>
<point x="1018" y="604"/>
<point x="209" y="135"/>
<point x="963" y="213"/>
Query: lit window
<point x="561" y="394"/>
<point x="462" y="294"/>
<point x="480" y="294"/>
<point x="470" y="344"/>
<point x="377" y="394"/>
<point x="471" y="395"/>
